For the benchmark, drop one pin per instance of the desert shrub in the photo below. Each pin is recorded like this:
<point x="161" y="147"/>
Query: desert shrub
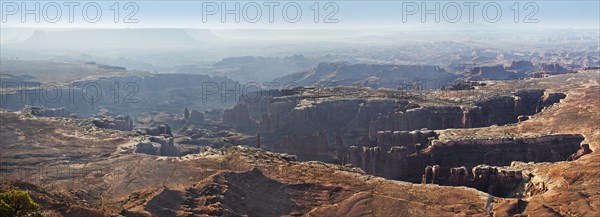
<point x="18" y="204"/>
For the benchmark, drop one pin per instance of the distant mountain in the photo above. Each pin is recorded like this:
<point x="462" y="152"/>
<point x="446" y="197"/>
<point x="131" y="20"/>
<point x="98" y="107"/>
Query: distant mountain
<point x="253" y="68"/>
<point x="117" y="38"/>
<point x="371" y="75"/>
<point x="492" y="72"/>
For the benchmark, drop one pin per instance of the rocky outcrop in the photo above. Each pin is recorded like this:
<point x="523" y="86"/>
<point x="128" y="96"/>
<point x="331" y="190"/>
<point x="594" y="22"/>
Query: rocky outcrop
<point x="553" y="68"/>
<point x="159" y="146"/>
<point x="551" y="98"/>
<point x="585" y="149"/>
<point x="123" y="123"/>
<point x="411" y="140"/>
<point x="463" y="85"/>
<point x="195" y="117"/>
<point x="237" y="115"/>
<point x="493" y="180"/>
<point x="550" y="70"/>
<point x="160" y="130"/>
<point x="46" y="112"/>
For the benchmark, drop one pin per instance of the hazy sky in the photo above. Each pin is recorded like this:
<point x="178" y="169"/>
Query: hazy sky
<point x="331" y="14"/>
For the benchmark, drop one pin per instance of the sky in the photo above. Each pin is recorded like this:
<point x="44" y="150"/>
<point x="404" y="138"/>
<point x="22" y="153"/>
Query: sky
<point x="393" y="15"/>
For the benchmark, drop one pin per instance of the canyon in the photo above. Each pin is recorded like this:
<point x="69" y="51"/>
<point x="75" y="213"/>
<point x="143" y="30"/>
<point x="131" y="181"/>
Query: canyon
<point x="370" y="117"/>
<point x="349" y="118"/>
<point x="395" y="134"/>
<point x="500" y="148"/>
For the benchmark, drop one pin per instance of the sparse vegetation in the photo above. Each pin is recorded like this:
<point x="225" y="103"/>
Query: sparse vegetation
<point x="18" y="204"/>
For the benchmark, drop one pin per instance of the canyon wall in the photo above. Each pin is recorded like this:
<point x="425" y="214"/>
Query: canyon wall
<point x="334" y="116"/>
<point x="193" y="117"/>
<point x="399" y="145"/>
<point x="400" y="163"/>
<point x="379" y="122"/>
<point x="499" y="110"/>
<point x="309" y="147"/>
<point x="237" y="115"/>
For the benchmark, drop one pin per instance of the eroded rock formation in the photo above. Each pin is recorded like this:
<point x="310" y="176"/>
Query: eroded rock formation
<point x="158" y="145"/>
<point x="195" y="117"/>
<point x="585" y="149"/>
<point x="160" y="130"/>
<point x="46" y="112"/>
<point x="237" y="115"/>
<point x="403" y="164"/>
<point x="123" y="123"/>
<point x="497" y="110"/>
<point x="494" y="180"/>
<point x="522" y="66"/>
<point x="493" y="72"/>
<point x="370" y="75"/>
<point x="310" y="147"/>
<point x="463" y="85"/>
<point x="359" y="119"/>
<point x="439" y="117"/>
<point x="553" y="68"/>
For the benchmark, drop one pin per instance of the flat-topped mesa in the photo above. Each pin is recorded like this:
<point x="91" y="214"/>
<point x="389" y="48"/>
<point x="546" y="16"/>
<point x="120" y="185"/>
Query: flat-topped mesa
<point x="237" y="115"/>
<point x="123" y="123"/>
<point x="493" y="72"/>
<point x="553" y="68"/>
<point x="522" y="66"/>
<point x="310" y="147"/>
<point x="499" y="110"/>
